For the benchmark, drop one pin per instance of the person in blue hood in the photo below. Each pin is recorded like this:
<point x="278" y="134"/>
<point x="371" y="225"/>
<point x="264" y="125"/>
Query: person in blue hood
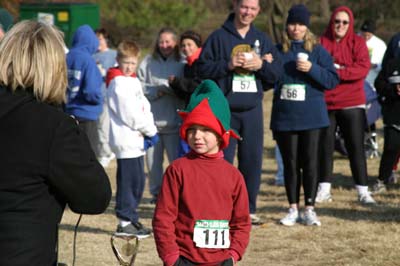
<point x="231" y="57"/>
<point x="84" y="97"/>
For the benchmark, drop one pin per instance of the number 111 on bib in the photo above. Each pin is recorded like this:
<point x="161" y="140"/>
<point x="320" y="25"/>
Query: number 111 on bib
<point x="211" y="234"/>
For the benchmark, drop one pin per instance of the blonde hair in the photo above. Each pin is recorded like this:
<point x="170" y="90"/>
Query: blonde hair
<point x="127" y="48"/>
<point x="310" y="40"/>
<point x="32" y="58"/>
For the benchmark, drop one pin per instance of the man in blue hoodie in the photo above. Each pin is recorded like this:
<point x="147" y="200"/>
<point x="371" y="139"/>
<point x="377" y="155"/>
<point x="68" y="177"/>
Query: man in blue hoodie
<point x="232" y="57"/>
<point x="84" y="97"/>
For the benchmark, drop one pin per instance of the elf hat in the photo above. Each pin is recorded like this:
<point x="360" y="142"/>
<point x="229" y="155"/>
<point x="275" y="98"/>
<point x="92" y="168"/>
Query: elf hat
<point x="208" y="107"/>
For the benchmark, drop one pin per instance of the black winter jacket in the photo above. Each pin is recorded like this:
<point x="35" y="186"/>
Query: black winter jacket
<point x="386" y="89"/>
<point x="45" y="163"/>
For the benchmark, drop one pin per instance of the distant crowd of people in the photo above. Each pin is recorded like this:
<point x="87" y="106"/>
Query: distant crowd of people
<point x="65" y="114"/>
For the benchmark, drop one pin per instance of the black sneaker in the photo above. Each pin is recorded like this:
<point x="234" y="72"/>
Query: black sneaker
<point x="132" y="230"/>
<point x="142" y="229"/>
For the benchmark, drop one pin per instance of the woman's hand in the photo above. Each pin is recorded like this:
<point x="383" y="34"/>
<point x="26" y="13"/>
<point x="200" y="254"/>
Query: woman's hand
<point x="303" y="65"/>
<point x="253" y="62"/>
<point x="268" y="57"/>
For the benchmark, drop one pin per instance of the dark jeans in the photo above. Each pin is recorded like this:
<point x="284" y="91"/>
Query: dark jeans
<point x="299" y="151"/>
<point x="249" y="124"/>
<point x="352" y="125"/>
<point x="130" y="186"/>
<point x="182" y="261"/>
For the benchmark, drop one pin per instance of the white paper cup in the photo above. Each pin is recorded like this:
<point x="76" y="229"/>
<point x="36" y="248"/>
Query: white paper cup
<point x="302" y="56"/>
<point x="248" y="56"/>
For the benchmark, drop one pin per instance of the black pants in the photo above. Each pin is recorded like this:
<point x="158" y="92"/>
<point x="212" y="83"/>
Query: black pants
<point x="299" y="151"/>
<point x="391" y="149"/>
<point x="90" y="128"/>
<point x="352" y="125"/>
<point x="182" y="261"/>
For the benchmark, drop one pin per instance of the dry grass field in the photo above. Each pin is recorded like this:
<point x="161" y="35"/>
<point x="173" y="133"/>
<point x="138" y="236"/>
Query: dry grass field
<point x="351" y="234"/>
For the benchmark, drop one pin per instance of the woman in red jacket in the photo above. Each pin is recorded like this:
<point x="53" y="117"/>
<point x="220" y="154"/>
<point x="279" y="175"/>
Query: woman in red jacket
<point x="346" y="103"/>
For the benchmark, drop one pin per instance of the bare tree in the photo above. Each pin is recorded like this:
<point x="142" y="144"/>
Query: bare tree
<point x="325" y="9"/>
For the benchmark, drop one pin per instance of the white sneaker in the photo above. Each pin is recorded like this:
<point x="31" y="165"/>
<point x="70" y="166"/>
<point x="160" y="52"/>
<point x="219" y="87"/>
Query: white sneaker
<point x="323" y="196"/>
<point x="255" y="220"/>
<point x="310" y="218"/>
<point x="291" y="218"/>
<point x="366" y="198"/>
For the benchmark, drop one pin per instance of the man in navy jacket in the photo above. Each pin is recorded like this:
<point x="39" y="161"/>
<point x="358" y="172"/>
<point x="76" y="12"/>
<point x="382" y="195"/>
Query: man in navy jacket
<point x="232" y="57"/>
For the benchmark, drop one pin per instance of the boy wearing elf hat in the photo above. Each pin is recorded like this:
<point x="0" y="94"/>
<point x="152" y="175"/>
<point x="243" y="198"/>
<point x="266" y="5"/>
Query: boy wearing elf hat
<point x="202" y="213"/>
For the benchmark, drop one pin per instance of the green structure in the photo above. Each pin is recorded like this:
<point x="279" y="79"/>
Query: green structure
<point x="66" y="16"/>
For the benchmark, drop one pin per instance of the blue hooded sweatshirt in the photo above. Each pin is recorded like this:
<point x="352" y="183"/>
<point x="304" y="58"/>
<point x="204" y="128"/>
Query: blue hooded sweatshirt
<point x="215" y="57"/>
<point x="84" y="97"/>
<point x="311" y="112"/>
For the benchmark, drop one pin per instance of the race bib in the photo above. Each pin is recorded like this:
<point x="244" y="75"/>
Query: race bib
<point x="211" y="234"/>
<point x="244" y="83"/>
<point x="293" y="92"/>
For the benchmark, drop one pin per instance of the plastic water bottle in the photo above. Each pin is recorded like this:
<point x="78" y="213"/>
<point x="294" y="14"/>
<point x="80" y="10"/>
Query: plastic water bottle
<point x="257" y="47"/>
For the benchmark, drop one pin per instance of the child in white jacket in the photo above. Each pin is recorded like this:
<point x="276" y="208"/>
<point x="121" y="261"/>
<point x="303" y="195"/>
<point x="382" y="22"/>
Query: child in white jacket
<point x="132" y="132"/>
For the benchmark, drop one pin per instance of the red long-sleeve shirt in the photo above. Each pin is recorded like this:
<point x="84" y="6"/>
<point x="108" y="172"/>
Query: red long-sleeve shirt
<point x="198" y="187"/>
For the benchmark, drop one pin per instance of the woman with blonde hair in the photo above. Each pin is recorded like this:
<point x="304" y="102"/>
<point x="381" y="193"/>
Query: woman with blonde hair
<point x="299" y="112"/>
<point x="46" y="160"/>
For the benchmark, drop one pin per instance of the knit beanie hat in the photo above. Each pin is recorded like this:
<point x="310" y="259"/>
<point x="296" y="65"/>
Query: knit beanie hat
<point x="208" y="107"/>
<point x="368" y="26"/>
<point x="193" y="36"/>
<point x="299" y="14"/>
<point x="6" y="19"/>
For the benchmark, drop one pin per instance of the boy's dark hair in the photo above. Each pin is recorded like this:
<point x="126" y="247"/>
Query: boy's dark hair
<point x="189" y="34"/>
<point x="106" y="35"/>
<point x="103" y="32"/>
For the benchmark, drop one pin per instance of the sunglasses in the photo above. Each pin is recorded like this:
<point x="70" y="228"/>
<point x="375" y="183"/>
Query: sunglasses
<point x="344" y="22"/>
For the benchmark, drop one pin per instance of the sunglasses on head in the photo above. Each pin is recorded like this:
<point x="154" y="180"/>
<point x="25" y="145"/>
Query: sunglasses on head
<point x="344" y="22"/>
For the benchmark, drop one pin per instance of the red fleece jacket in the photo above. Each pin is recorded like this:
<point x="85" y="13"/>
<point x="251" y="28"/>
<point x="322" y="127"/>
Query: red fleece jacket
<point x="351" y="54"/>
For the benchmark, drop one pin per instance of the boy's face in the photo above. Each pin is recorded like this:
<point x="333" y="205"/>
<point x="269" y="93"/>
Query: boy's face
<point x="202" y="140"/>
<point x="128" y="65"/>
<point x="188" y="47"/>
